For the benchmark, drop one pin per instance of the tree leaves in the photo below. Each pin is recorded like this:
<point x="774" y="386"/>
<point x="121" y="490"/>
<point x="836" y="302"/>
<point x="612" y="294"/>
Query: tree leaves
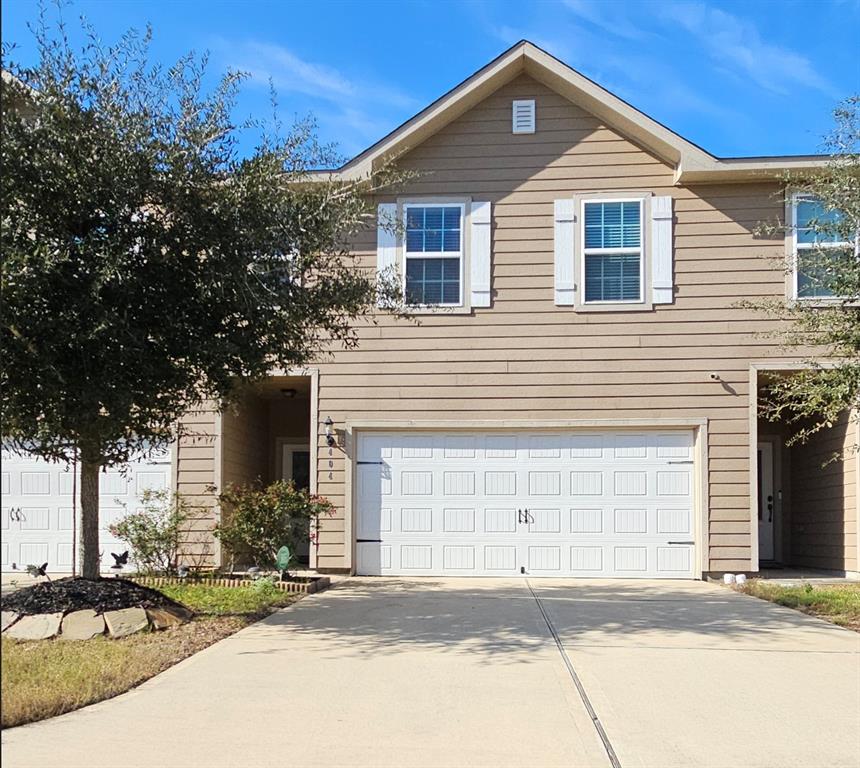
<point x="148" y="267"/>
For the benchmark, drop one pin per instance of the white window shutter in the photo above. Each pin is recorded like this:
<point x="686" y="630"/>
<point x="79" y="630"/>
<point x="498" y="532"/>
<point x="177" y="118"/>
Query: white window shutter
<point x="480" y="255"/>
<point x="662" y="290"/>
<point x="386" y="241"/>
<point x="565" y="232"/>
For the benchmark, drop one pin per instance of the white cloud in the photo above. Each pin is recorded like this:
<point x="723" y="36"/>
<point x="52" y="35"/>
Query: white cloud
<point x="624" y="73"/>
<point x="368" y="110"/>
<point x="610" y="17"/>
<point x="736" y="43"/>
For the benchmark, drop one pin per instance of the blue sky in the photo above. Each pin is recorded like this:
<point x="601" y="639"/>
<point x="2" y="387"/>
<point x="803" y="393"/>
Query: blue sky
<point x="738" y="78"/>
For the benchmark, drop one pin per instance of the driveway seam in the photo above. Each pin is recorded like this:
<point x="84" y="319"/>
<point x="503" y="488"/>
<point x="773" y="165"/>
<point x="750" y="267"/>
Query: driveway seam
<point x="595" y="720"/>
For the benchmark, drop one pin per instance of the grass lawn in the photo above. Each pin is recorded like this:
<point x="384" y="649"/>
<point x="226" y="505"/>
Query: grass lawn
<point x="839" y="603"/>
<point x="47" y="678"/>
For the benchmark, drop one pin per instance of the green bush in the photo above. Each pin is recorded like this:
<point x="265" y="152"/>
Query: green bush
<point x="153" y="533"/>
<point x="257" y="521"/>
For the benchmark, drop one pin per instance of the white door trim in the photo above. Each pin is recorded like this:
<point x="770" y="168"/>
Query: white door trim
<point x="286" y="446"/>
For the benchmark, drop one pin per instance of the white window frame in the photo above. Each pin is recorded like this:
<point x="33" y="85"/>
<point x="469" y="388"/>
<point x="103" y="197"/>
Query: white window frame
<point x="640" y="201"/>
<point x="796" y="247"/>
<point x="461" y="254"/>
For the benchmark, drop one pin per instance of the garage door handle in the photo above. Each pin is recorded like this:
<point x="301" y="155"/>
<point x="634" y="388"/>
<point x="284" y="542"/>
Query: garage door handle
<point x="680" y="542"/>
<point x="368" y="541"/>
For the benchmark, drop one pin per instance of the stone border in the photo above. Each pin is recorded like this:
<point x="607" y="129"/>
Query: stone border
<point x="86" y="624"/>
<point x="311" y="585"/>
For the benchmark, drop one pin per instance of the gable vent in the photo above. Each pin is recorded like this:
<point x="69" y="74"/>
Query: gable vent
<point x="524" y="116"/>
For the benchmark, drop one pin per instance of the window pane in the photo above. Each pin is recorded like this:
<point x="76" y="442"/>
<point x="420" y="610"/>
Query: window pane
<point x="451" y="241"/>
<point x="432" y="281"/>
<point x="433" y="218"/>
<point x="613" y="225"/>
<point x="612" y="278"/>
<point x="432" y="229"/>
<point x="432" y="239"/>
<point x="451" y="269"/>
<point x="414" y="240"/>
<point x="452" y="292"/>
<point x="452" y="218"/>
<point x="432" y="269"/>
<point x="817" y="271"/>
<point x="414" y="218"/>
<point x="432" y="292"/>
<point x="815" y="224"/>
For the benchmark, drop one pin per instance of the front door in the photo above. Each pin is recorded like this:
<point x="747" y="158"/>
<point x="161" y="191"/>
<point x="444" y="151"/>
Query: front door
<point x="766" y="503"/>
<point x="296" y="466"/>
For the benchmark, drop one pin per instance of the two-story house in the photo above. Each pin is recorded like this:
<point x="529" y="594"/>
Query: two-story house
<point x="579" y="396"/>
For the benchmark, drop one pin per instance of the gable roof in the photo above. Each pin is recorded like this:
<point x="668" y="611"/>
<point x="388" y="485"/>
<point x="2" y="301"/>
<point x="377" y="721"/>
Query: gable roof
<point x="691" y="162"/>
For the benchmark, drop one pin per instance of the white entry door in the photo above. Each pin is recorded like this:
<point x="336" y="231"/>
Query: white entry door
<point x="610" y="504"/>
<point x="36" y="510"/>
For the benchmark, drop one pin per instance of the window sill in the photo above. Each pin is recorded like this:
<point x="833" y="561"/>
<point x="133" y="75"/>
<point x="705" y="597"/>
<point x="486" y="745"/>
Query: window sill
<point x="823" y="301"/>
<point x="462" y="310"/>
<point x="622" y="306"/>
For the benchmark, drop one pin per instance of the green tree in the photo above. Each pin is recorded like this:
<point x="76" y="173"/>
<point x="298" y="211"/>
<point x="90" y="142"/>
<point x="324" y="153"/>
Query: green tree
<point x="149" y="266"/>
<point x="825" y="333"/>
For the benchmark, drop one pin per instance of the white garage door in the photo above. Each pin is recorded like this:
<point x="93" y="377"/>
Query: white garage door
<point x="616" y="504"/>
<point x="36" y="514"/>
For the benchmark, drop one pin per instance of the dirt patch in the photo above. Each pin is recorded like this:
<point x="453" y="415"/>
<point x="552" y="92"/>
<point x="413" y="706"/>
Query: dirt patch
<point x="100" y="595"/>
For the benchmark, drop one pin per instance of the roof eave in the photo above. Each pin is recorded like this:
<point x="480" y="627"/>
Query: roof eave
<point x="727" y="170"/>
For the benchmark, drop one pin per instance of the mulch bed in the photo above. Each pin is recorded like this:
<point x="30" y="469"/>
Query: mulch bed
<point x="75" y="594"/>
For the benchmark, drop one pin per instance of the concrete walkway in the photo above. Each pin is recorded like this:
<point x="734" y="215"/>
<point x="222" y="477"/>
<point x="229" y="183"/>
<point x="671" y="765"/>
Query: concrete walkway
<point x="385" y="672"/>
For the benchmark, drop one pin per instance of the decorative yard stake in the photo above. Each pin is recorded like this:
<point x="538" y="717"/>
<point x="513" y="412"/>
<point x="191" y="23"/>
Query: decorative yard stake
<point x="283" y="562"/>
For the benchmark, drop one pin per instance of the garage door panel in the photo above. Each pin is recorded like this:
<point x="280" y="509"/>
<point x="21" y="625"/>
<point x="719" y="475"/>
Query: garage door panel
<point x="458" y="520"/>
<point x="541" y="521"/>
<point x="500" y="483"/>
<point x="673" y="520"/>
<point x="586" y="520"/>
<point x="416" y="520"/>
<point x="36" y="483"/>
<point x="458" y="557"/>
<point x="33" y="553"/>
<point x="630" y="559"/>
<point x="586" y="560"/>
<point x="500" y="559"/>
<point x="589" y="504"/>
<point x="500" y="520"/>
<point x="673" y="559"/>
<point x="35" y="518"/>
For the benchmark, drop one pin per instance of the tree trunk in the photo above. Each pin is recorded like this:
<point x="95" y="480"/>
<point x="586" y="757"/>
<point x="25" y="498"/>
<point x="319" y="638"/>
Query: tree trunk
<point x="89" y="540"/>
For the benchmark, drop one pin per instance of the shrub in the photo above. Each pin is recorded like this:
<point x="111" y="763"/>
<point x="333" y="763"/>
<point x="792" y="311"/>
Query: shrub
<point x="153" y="533"/>
<point x="257" y="521"/>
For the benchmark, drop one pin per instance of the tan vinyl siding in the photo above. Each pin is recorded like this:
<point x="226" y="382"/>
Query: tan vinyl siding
<point x="245" y="443"/>
<point x="195" y="474"/>
<point x="525" y="358"/>
<point x="824" y="499"/>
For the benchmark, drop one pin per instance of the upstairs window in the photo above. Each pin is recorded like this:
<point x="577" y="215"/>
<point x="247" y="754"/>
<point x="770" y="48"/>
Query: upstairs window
<point x="612" y="251"/>
<point x="434" y="255"/>
<point x="821" y="243"/>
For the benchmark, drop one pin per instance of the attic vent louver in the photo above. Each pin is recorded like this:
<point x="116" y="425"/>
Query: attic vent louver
<point x="524" y="116"/>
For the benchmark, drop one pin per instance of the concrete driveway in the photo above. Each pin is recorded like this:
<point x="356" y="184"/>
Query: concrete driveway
<point x="385" y="672"/>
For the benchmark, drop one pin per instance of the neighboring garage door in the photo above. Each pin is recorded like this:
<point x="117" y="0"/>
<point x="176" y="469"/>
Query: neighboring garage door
<point x="37" y="509"/>
<point x="613" y="504"/>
